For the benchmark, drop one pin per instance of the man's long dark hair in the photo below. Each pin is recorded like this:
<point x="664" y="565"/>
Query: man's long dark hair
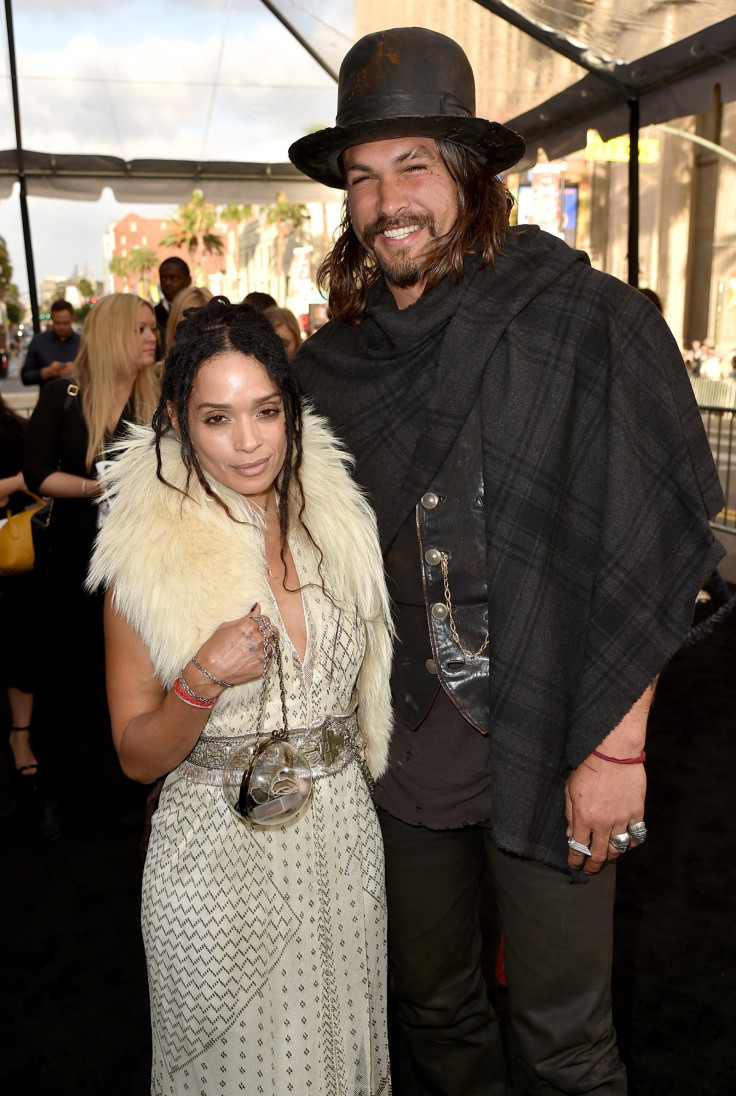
<point x="220" y="328"/>
<point x="484" y="203"/>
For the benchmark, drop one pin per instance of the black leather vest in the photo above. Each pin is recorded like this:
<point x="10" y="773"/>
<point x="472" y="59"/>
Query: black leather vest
<point x="449" y="520"/>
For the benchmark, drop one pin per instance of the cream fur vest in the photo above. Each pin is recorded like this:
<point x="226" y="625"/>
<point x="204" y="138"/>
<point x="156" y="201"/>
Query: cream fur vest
<point x="180" y="566"/>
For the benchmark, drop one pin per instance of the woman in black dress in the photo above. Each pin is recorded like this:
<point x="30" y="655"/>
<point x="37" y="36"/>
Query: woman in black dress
<point x="73" y="427"/>
<point x="17" y="604"/>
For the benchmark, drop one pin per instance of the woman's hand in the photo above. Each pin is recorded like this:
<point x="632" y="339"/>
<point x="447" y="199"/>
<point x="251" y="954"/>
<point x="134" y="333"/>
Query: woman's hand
<point x="234" y="653"/>
<point x="9" y="485"/>
<point x="155" y="730"/>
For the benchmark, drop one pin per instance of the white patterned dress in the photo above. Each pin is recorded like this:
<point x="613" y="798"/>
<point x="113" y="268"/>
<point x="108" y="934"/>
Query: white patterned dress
<point x="266" y="946"/>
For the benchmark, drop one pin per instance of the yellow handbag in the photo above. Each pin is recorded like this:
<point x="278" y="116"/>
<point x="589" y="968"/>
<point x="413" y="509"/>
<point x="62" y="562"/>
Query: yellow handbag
<point x="16" y="542"/>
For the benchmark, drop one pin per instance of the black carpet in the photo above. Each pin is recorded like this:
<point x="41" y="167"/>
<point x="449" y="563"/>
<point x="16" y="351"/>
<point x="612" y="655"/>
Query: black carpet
<point x="74" y="1010"/>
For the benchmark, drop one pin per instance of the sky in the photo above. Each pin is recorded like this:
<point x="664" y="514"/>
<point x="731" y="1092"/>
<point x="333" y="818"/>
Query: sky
<point x="182" y="79"/>
<point x="223" y="80"/>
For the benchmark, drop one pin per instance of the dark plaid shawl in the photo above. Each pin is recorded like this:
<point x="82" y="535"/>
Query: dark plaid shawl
<point x="599" y="483"/>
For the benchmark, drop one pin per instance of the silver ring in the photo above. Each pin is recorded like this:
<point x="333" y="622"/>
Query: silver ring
<point x="638" y="832"/>
<point x="576" y="846"/>
<point x="620" y="841"/>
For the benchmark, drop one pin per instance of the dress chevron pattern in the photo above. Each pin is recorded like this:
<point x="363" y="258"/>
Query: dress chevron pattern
<point x="266" y="947"/>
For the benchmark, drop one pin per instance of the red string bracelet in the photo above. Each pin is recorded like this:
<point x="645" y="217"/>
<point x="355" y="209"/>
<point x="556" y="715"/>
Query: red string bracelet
<point x="621" y="760"/>
<point x="190" y="700"/>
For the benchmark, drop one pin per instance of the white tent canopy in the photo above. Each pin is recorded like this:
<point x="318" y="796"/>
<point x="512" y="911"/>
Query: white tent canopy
<point x="150" y="99"/>
<point x="153" y="100"/>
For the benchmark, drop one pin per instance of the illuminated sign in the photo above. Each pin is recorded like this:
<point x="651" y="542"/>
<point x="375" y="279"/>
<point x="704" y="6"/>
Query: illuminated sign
<point x="617" y="149"/>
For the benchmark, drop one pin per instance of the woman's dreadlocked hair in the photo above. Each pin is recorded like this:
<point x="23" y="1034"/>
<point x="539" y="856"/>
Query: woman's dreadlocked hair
<point x="221" y="328"/>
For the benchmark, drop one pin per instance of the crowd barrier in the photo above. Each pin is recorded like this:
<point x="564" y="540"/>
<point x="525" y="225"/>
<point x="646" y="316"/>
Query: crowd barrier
<point x="718" y="394"/>
<point x="717" y="403"/>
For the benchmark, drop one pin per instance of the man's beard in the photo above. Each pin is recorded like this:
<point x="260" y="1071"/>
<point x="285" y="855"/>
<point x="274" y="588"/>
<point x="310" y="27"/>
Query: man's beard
<point x="400" y="269"/>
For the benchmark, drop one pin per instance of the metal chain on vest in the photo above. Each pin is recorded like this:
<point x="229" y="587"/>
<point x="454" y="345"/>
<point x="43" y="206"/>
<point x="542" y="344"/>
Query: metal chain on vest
<point x="444" y="559"/>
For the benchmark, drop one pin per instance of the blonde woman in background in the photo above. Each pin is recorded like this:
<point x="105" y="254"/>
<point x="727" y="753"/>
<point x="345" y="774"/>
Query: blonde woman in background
<point x="73" y="427"/>
<point x="286" y="326"/>
<point x="193" y="296"/>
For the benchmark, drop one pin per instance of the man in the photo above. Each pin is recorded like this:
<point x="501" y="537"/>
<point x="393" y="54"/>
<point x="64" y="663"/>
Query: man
<point x="52" y="352"/>
<point x="173" y="275"/>
<point x="260" y="300"/>
<point x="710" y="363"/>
<point x="528" y="436"/>
<point x="695" y="357"/>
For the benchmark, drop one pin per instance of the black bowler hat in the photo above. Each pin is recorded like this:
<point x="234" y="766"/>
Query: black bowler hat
<point x="407" y="82"/>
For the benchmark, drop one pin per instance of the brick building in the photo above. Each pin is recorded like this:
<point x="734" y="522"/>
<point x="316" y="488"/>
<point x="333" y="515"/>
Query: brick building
<point x="134" y="231"/>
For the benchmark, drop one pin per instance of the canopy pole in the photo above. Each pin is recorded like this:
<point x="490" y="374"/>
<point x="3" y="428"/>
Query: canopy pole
<point x="21" y="173"/>
<point x="300" y="39"/>
<point x="634" y="193"/>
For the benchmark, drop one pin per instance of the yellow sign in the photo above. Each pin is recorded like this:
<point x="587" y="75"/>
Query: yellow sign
<point x="617" y="148"/>
<point x="731" y="299"/>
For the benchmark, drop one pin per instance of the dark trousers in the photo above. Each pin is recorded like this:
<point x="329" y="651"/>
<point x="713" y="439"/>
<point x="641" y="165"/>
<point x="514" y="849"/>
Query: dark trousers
<point x="558" y="948"/>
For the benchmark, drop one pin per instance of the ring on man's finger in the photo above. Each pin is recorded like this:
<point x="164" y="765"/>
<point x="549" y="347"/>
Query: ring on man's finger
<point x="620" y="841"/>
<point x="577" y="846"/>
<point x="638" y="832"/>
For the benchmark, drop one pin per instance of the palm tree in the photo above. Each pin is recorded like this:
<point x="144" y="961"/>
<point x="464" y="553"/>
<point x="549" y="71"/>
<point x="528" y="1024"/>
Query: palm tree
<point x="235" y="213"/>
<point x="141" y="261"/>
<point x="120" y="267"/>
<point x="288" y="217"/>
<point x="192" y="228"/>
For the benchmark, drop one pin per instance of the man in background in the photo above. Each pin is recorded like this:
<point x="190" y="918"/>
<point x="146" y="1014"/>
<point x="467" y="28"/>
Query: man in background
<point x="260" y="300"/>
<point x="173" y="275"/>
<point x="52" y="352"/>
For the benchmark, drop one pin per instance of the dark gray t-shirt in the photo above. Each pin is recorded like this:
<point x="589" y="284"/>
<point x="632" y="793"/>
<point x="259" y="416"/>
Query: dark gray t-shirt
<point x="439" y="774"/>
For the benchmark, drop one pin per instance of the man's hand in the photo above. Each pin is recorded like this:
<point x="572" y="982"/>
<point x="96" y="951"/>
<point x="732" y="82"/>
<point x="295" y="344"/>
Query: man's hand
<point x="57" y="369"/>
<point x="601" y="799"/>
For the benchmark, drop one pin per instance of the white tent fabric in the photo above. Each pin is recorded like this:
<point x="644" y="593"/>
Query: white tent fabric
<point x="155" y="99"/>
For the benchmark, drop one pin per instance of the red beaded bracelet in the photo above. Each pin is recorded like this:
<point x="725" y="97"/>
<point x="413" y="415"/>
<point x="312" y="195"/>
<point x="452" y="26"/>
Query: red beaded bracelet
<point x="621" y="760"/>
<point x="190" y="700"/>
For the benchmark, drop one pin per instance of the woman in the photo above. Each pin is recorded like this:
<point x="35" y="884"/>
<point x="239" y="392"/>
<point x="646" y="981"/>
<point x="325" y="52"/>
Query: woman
<point x="74" y="423"/>
<point x="193" y="296"/>
<point x="18" y="605"/>
<point x="70" y="431"/>
<point x="286" y="326"/>
<point x="238" y="544"/>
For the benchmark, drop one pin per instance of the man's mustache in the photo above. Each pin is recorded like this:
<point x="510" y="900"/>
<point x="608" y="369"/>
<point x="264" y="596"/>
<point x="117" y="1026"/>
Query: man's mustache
<point x="383" y="224"/>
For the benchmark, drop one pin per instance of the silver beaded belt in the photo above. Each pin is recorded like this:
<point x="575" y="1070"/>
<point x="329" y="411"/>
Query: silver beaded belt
<point x="328" y="745"/>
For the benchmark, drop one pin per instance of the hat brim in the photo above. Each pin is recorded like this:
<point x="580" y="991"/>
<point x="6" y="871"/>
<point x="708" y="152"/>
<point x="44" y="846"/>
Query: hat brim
<point x="318" y="154"/>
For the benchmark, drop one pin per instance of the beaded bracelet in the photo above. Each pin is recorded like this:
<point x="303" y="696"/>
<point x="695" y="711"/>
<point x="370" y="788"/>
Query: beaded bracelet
<point x="216" y="680"/>
<point x="184" y="693"/>
<point x="621" y="760"/>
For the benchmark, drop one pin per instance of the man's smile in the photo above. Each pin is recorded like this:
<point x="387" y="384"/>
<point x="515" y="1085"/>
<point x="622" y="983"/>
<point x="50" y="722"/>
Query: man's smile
<point x="400" y="233"/>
